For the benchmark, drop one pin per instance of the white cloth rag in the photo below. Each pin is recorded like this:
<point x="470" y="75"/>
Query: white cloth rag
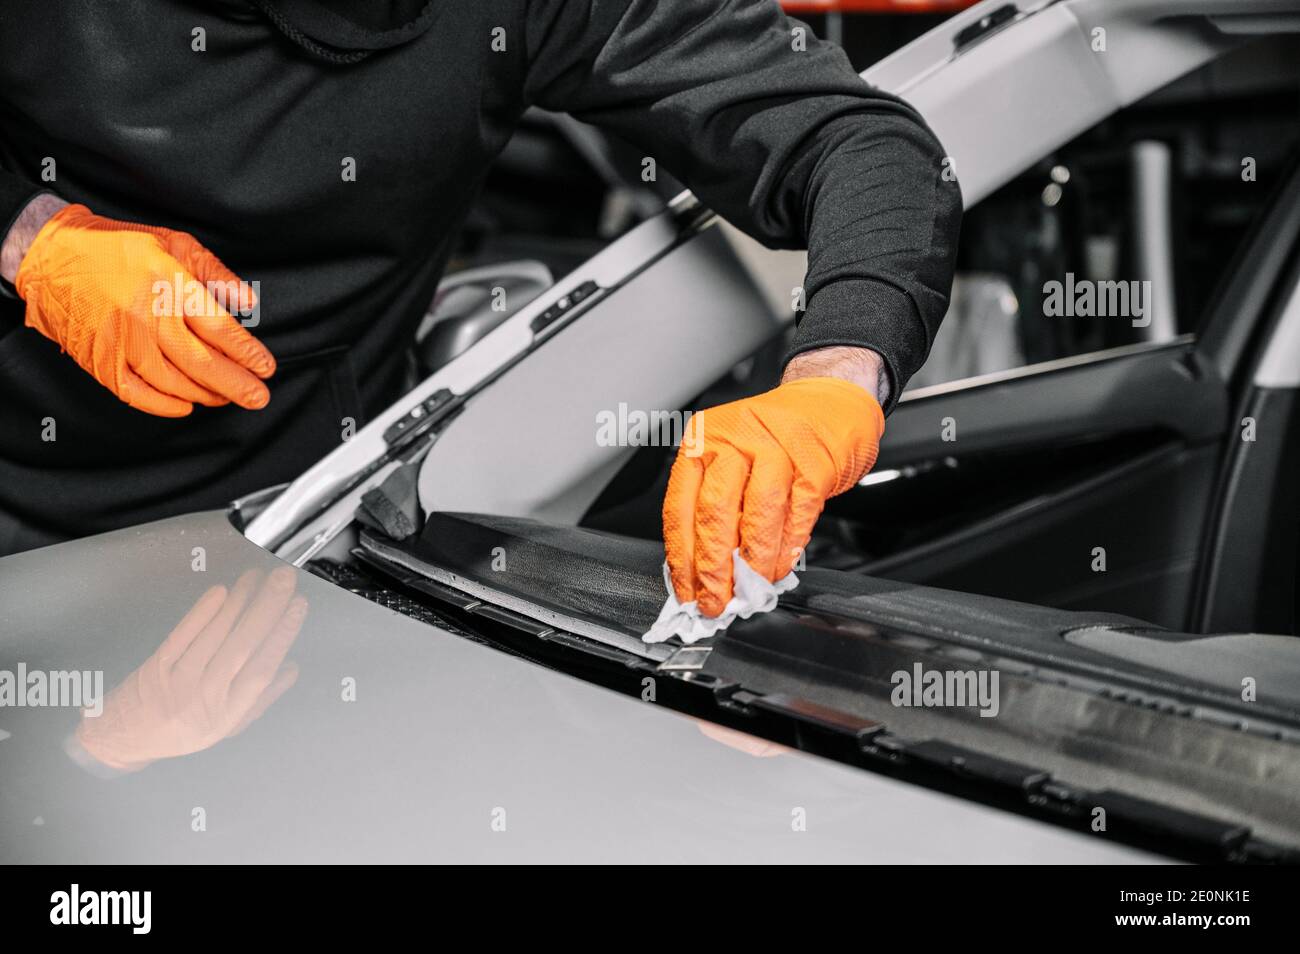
<point x="753" y="593"/>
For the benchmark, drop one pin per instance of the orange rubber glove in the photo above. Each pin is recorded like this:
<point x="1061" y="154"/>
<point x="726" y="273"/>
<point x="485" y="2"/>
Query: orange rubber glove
<point x="89" y="284"/>
<point x="755" y="474"/>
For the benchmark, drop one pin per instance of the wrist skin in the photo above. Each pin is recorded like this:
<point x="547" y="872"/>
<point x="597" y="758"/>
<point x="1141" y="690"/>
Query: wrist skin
<point x="23" y="232"/>
<point x="861" y="366"/>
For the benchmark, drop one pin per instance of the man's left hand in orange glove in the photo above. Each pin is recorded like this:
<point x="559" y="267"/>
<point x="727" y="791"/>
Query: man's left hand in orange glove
<point x="93" y="286"/>
<point x="759" y="471"/>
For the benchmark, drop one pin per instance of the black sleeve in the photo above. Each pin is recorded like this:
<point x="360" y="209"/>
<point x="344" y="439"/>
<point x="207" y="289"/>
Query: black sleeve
<point x="788" y="144"/>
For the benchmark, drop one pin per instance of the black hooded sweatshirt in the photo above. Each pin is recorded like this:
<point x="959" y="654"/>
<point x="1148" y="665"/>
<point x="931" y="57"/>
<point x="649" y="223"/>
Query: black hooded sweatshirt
<point x="232" y="120"/>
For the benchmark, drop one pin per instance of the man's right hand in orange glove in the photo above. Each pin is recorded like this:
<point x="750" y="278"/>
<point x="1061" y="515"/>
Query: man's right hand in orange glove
<point x="90" y="285"/>
<point x="757" y="472"/>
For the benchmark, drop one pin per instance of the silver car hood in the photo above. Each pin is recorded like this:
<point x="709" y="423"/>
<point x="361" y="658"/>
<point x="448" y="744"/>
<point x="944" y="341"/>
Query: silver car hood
<point x="451" y="751"/>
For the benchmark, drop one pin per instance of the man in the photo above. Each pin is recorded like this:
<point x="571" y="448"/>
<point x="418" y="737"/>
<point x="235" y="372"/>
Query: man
<point x="328" y="150"/>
